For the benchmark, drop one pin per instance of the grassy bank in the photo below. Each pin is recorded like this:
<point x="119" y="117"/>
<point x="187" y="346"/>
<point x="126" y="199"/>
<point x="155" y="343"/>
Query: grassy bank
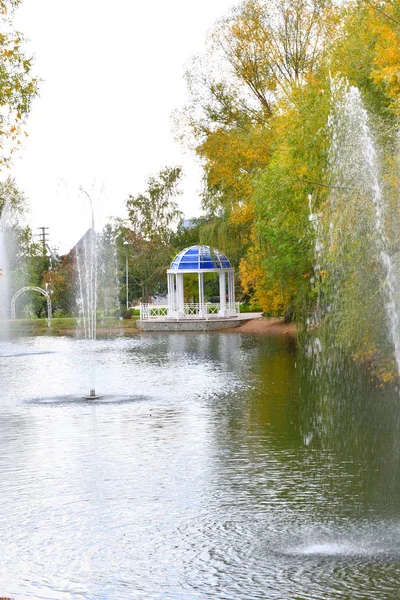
<point x="68" y="325"/>
<point x="111" y="325"/>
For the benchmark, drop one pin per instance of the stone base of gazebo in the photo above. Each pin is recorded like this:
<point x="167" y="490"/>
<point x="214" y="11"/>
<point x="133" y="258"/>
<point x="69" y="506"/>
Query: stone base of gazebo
<point x="197" y="324"/>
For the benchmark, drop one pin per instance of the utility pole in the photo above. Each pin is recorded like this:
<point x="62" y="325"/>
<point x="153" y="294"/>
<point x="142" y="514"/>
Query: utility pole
<point x="44" y="238"/>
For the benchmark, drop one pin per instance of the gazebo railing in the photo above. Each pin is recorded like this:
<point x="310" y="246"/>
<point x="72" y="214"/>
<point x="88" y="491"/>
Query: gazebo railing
<point x="188" y="311"/>
<point x="151" y="311"/>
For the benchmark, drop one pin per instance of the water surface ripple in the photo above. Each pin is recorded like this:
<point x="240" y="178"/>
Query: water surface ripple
<point x="208" y="469"/>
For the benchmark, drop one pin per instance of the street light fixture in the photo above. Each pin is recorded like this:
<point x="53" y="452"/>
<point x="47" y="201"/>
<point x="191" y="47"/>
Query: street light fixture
<point x="91" y="204"/>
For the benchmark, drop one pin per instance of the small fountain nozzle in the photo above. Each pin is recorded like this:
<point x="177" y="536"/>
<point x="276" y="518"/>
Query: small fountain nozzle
<point x="92" y="395"/>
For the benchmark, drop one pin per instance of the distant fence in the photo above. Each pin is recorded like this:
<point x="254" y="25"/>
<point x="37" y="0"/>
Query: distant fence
<point x="188" y="311"/>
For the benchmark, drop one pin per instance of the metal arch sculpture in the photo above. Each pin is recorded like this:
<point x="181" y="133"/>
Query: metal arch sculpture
<point x="33" y="288"/>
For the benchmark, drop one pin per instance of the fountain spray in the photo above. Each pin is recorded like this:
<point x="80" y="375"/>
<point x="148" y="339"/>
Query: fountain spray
<point x="87" y="268"/>
<point x="4" y="279"/>
<point x="352" y="231"/>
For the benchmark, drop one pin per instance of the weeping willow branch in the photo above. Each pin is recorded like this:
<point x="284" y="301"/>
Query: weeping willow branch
<point x="326" y="185"/>
<point x="382" y="12"/>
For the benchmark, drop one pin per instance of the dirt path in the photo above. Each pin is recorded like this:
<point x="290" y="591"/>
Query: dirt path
<point x="263" y="325"/>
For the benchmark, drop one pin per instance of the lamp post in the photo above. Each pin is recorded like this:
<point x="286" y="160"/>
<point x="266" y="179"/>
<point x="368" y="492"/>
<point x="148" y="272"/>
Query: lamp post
<point x="126" y="244"/>
<point x="91" y="204"/>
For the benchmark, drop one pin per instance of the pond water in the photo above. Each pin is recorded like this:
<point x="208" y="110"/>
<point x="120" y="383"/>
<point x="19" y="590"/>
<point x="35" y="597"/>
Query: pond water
<point x="209" y="469"/>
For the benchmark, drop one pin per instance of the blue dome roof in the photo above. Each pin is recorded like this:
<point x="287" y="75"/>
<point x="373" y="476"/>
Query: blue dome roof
<point x="199" y="257"/>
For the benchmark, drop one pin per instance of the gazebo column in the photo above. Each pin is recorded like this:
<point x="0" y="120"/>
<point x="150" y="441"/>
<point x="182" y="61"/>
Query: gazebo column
<point x="231" y="292"/>
<point x="171" y="293"/>
<point x="222" y="294"/>
<point x="201" y="293"/>
<point x="180" y="297"/>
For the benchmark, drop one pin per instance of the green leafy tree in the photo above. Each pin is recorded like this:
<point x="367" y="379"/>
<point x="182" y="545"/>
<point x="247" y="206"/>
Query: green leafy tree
<point x="153" y="214"/>
<point x="260" y="59"/>
<point x="60" y="280"/>
<point x="148" y="232"/>
<point x="263" y="101"/>
<point x="25" y="263"/>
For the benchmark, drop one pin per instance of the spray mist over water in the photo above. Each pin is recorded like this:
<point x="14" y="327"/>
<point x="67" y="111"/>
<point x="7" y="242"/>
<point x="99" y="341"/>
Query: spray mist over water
<point x="355" y="216"/>
<point x="97" y="291"/>
<point x="86" y="266"/>
<point x="357" y="121"/>
<point x="4" y="272"/>
<point x="87" y="271"/>
<point x="356" y="284"/>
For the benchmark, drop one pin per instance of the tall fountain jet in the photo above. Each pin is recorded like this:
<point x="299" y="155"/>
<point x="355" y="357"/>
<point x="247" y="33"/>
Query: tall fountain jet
<point x="356" y="197"/>
<point x="87" y="268"/>
<point x="4" y="274"/>
<point x="97" y="292"/>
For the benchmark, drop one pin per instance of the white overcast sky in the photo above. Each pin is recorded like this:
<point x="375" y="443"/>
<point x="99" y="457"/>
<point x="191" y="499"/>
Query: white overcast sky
<point x="112" y="76"/>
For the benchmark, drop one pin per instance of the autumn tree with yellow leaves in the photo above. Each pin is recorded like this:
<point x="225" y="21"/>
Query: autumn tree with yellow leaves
<point x="18" y="87"/>
<point x="260" y="58"/>
<point x="261" y="104"/>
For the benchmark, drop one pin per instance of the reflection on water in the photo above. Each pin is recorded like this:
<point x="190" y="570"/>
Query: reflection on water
<point x="209" y="469"/>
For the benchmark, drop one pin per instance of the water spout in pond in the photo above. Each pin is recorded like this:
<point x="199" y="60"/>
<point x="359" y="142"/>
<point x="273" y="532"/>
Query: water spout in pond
<point x="87" y="269"/>
<point x="97" y="287"/>
<point x="87" y="272"/>
<point x="354" y="244"/>
<point x="4" y="274"/>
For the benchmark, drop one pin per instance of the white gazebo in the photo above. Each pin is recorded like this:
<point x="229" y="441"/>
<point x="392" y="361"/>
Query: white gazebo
<point x="199" y="260"/>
